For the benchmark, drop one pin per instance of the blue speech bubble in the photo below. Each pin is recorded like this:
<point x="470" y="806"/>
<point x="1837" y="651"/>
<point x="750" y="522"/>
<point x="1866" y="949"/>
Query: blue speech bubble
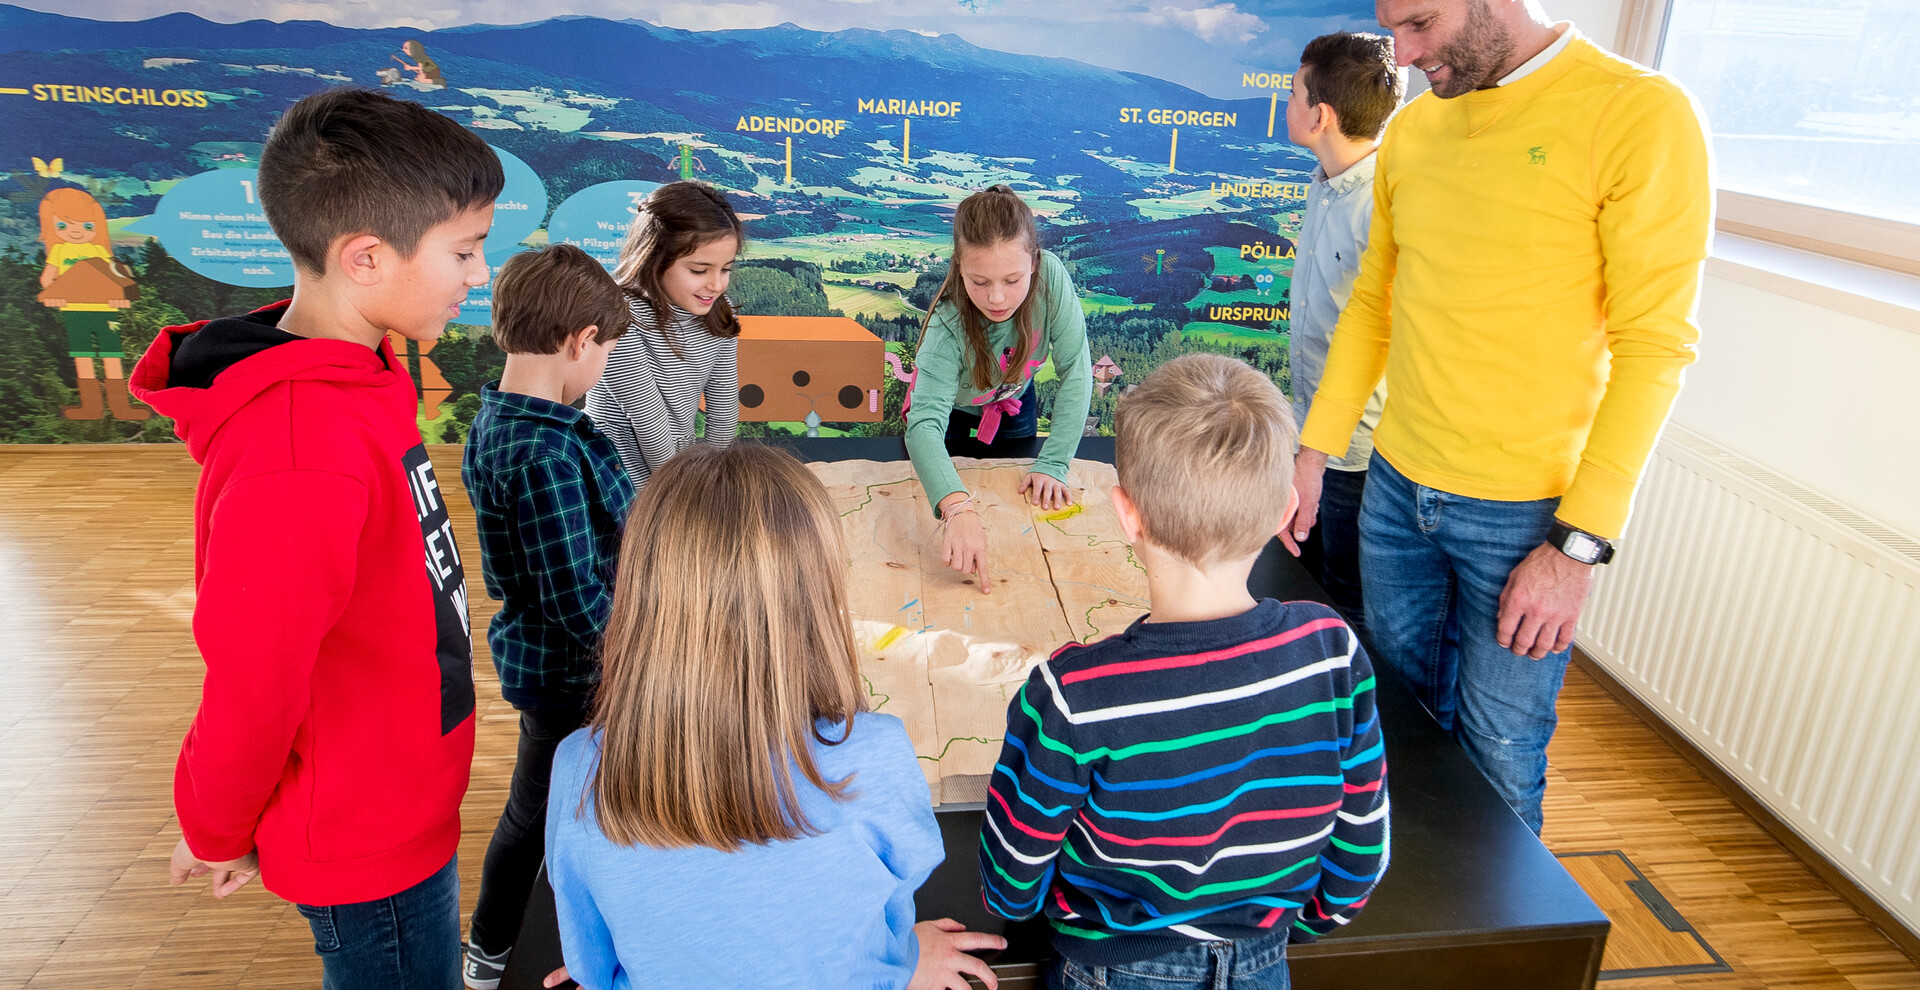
<point x="478" y="309"/>
<point x="521" y="206"/>
<point x="213" y="223"/>
<point x="596" y="218"/>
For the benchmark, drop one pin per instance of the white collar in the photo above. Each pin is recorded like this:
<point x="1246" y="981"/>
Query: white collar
<point x="1559" y="45"/>
<point x="1357" y="173"/>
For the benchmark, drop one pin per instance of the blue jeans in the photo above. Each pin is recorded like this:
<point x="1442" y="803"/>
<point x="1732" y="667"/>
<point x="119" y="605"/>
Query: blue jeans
<point x="410" y="940"/>
<point x="1339" y="532"/>
<point x="1434" y="565"/>
<point x="1019" y="426"/>
<point x="1253" y="964"/>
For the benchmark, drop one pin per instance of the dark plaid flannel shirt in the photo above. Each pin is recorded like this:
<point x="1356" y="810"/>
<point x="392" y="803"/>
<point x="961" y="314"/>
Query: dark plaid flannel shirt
<point x="549" y="498"/>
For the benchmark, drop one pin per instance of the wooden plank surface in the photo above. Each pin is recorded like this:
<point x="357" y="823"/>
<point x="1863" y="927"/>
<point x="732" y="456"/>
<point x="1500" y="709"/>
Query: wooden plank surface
<point x="99" y="678"/>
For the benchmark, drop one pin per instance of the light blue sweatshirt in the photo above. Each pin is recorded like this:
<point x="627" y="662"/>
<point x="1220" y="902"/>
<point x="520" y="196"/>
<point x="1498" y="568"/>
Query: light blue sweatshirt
<point x="828" y="910"/>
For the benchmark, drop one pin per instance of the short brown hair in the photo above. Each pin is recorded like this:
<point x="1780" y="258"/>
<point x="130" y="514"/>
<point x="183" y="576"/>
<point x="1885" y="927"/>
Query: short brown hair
<point x="348" y="161"/>
<point x="540" y="298"/>
<point x="676" y="220"/>
<point x="1204" y="446"/>
<point x="1355" y="75"/>
<point x="729" y="641"/>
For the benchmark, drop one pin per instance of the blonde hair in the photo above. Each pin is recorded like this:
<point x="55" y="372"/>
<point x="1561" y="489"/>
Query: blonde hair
<point x="67" y="203"/>
<point x="1204" y="446"/>
<point x="729" y="640"/>
<point x="994" y="215"/>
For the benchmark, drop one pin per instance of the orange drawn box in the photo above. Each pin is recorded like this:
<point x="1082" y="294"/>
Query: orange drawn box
<point x="793" y="365"/>
<point x="96" y="281"/>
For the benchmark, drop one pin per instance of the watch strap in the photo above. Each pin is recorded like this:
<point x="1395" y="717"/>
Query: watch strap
<point x="1561" y="536"/>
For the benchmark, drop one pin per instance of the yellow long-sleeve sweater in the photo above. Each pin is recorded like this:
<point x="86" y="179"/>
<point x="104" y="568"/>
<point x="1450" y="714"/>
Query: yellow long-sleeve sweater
<point x="1529" y="286"/>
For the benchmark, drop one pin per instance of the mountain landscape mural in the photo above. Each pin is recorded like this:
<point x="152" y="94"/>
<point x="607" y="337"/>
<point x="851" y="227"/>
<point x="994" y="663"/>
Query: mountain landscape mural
<point x="846" y="151"/>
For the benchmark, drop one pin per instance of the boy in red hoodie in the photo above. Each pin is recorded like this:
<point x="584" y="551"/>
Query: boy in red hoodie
<point x="335" y="730"/>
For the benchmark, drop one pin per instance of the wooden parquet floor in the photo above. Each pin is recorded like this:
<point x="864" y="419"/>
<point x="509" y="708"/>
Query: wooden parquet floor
<point x="99" y="678"/>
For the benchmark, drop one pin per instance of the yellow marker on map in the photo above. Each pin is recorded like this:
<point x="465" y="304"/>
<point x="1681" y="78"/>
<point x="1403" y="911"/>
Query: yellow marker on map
<point x="1067" y="513"/>
<point x="891" y="637"/>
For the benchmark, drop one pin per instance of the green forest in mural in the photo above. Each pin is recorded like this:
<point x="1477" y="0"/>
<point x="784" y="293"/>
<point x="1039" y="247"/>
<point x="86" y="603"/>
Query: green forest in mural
<point x="37" y="380"/>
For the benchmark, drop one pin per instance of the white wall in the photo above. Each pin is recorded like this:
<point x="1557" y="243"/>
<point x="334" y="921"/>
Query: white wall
<point x="1827" y="398"/>
<point x="1599" y="20"/>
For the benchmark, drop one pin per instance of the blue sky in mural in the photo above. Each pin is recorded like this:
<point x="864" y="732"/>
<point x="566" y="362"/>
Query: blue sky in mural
<point x="1206" y="46"/>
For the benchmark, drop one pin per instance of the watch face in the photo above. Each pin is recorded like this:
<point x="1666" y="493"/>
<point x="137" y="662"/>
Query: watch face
<point x="1582" y="547"/>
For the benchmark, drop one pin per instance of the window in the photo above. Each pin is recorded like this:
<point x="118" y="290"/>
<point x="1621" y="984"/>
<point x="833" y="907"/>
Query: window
<point x="1814" y="107"/>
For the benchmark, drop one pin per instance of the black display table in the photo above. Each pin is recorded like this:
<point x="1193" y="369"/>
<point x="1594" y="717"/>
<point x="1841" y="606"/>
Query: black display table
<point x="1471" y="899"/>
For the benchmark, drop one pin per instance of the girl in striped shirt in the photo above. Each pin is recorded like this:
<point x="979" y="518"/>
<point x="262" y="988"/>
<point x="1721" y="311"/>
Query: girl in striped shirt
<point x="674" y="268"/>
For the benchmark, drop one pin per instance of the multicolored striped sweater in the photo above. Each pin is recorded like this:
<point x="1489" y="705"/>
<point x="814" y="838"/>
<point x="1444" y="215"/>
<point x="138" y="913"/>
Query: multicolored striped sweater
<point x="1191" y="781"/>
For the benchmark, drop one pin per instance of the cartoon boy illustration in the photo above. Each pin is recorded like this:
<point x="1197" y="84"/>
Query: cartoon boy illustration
<point x="87" y="285"/>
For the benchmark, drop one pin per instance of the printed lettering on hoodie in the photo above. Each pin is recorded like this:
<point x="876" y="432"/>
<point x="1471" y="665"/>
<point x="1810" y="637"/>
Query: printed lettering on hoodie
<point x="449" y="580"/>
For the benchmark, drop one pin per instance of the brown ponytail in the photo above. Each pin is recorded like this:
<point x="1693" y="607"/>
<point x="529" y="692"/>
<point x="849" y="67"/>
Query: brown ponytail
<point x="992" y="216"/>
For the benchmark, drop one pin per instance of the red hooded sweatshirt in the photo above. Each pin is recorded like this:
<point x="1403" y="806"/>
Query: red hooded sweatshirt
<point x="335" y="730"/>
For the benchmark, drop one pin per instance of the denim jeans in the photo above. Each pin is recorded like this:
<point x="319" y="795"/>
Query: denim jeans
<point x="1250" y="964"/>
<point x="410" y="940"/>
<point x="1339" y="533"/>
<point x="1434" y="565"/>
<point x="520" y="839"/>
<point x="1019" y="426"/>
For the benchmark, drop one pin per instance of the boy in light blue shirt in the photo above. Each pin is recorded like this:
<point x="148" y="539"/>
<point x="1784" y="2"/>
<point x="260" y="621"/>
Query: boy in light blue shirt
<point x="1346" y="89"/>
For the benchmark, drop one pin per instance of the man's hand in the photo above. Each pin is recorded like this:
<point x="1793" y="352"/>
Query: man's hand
<point x="963" y="543"/>
<point x="556" y="978"/>
<point x="1309" y="467"/>
<point x="228" y="876"/>
<point x="1541" y="603"/>
<point x="944" y="963"/>
<point x="1046" y="491"/>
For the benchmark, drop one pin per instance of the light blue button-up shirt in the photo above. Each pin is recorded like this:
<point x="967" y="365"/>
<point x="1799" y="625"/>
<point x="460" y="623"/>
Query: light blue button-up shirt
<point x="1327" y="260"/>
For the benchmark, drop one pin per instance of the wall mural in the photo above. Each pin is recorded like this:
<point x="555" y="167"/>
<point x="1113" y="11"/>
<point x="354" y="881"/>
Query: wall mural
<point x="1150" y="140"/>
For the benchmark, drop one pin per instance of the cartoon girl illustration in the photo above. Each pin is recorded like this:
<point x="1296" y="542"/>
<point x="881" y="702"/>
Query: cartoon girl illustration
<point x="426" y="71"/>
<point x="74" y="229"/>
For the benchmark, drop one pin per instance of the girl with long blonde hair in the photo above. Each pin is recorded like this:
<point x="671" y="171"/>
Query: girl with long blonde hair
<point x="733" y="815"/>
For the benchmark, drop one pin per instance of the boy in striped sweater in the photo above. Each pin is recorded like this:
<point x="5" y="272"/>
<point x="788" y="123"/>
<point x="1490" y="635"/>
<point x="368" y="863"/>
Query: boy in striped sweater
<point x="1184" y="798"/>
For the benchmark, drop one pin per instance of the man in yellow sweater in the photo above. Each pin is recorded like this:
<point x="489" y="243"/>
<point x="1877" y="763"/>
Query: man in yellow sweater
<point x="1540" y="220"/>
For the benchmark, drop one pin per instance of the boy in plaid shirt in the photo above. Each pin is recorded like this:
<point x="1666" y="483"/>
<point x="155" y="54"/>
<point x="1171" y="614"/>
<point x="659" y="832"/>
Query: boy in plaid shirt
<point x="549" y="496"/>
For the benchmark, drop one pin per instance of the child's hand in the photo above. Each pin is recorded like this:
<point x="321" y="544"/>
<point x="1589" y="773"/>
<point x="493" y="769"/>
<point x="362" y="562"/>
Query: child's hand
<point x="944" y="963"/>
<point x="557" y="977"/>
<point x="963" y="546"/>
<point x="1046" y="491"/>
<point x="228" y="876"/>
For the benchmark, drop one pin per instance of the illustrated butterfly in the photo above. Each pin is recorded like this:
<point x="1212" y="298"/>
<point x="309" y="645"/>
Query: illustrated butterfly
<point x="49" y="170"/>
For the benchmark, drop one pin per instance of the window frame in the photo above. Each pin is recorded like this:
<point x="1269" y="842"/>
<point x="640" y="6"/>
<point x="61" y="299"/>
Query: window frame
<point x="1855" y="237"/>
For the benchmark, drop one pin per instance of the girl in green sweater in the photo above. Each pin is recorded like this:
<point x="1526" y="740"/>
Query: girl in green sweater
<point x="1004" y="309"/>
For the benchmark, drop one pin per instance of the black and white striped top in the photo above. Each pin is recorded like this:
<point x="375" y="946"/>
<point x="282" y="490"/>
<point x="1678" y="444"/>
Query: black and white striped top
<point x="647" y="400"/>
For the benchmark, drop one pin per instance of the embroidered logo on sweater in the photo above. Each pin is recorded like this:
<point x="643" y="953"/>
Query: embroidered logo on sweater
<point x="1537" y="155"/>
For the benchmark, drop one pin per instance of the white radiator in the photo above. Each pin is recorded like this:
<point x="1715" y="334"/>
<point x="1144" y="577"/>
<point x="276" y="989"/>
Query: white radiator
<point x="1780" y="632"/>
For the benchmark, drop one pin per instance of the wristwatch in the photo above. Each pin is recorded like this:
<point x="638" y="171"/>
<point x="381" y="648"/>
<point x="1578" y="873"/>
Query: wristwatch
<point x="1579" y="544"/>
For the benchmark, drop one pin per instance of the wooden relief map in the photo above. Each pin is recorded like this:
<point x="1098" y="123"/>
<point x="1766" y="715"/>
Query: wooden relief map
<point x="935" y="651"/>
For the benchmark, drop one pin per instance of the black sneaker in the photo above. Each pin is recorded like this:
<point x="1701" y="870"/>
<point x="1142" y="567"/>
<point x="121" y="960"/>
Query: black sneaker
<point x="482" y="971"/>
